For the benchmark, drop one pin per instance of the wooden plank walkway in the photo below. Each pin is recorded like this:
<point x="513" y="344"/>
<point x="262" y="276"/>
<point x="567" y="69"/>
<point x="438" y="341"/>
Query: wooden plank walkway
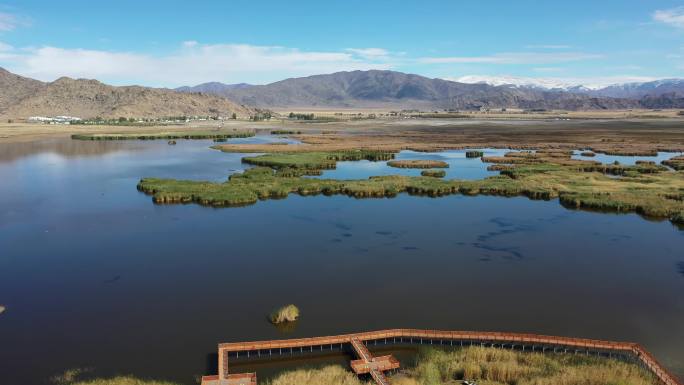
<point x="373" y="365"/>
<point x="541" y="343"/>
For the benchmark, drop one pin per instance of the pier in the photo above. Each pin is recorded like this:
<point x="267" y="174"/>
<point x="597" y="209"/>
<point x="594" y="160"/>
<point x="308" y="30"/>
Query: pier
<point x="377" y="366"/>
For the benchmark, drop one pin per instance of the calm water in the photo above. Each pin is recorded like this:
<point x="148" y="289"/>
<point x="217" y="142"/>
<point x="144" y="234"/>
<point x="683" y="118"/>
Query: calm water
<point x="628" y="160"/>
<point x="95" y="275"/>
<point x="460" y="167"/>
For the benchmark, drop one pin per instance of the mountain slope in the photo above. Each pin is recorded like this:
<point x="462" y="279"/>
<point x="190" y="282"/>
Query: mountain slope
<point x="14" y="87"/>
<point x="630" y="90"/>
<point x="215" y="88"/>
<point x="399" y="90"/>
<point x="90" y="98"/>
<point x="640" y="90"/>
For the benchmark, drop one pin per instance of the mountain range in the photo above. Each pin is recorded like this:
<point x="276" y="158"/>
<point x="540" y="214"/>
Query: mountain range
<point x="22" y="97"/>
<point x="632" y="90"/>
<point x="375" y="88"/>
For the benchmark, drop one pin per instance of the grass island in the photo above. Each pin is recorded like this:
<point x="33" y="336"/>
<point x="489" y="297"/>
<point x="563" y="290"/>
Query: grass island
<point x="648" y="189"/>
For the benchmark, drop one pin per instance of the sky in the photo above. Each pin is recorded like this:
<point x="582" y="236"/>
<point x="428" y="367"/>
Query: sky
<point x="173" y="43"/>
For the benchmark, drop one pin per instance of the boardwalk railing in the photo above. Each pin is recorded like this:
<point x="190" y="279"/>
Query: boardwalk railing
<point x="541" y="342"/>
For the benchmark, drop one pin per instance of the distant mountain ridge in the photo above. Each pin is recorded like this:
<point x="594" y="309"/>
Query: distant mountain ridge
<point x="212" y="87"/>
<point x="22" y="97"/>
<point x="629" y="90"/>
<point x="376" y="88"/>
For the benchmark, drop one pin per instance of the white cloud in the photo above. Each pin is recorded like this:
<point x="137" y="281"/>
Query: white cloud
<point x="9" y="21"/>
<point x="673" y="17"/>
<point x="192" y="63"/>
<point x="515" y="58"/>
<point x="370" y="53"/>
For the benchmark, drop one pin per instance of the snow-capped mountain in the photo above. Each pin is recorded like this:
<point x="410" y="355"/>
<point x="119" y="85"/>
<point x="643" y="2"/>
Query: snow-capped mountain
<point x="639" y="90"/>
<point x="632" y="88"/>
<point x="543" y="83"/>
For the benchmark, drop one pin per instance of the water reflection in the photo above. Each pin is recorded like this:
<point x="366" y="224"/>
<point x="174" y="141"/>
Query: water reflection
<point x="460" y="167"/>
<point x="64" y="147"/>
<point x="625" y="159"/>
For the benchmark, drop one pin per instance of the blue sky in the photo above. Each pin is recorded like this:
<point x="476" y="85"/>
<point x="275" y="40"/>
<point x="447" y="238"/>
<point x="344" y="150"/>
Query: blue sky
<point x="172" y="43"/>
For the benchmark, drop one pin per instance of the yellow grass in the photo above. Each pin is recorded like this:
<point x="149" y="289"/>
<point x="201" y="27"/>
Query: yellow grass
<point x="329" y="375"/>
<point x="502" y="367"/>
<point x="288" y="313"/>
<point x="122" y="380"/>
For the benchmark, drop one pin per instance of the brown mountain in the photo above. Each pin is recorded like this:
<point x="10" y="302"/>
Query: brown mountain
<point x="14" y="88"/>
<point x="22" y="97"/>
<point x="400" y="90"/>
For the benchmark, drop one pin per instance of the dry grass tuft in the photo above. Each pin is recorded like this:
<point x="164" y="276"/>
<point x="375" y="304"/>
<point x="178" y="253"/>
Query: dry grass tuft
<point x="502" y="367"/>
<point x="122" y="380"/>
<point x="288" y="313"/>
<point x="329" y="375"/>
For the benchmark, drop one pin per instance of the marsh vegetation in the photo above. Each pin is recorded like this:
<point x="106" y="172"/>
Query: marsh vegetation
<point x="433" y="173"/>
<point x="418" y="163"/>
<point x="287" y="313"/>
<point x="208" y="134"/>
<point x="676" y="163"/>
<point x="315" y="160"/>
<point x="647" y="189"/>
<point x="490" y="366"/>
<point x="503" y="367"/>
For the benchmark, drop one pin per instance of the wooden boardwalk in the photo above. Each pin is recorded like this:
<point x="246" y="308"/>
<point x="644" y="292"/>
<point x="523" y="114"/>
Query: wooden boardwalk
<point x="375" y="366"/>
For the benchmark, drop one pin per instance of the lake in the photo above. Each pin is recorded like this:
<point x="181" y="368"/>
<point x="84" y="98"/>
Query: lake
<point x="93" y="274"/>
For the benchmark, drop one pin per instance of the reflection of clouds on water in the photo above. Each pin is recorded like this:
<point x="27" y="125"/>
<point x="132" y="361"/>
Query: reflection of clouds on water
<point x="628" y="160"/>
<point x="65" y="148"/>
<point x="460" y="167"/>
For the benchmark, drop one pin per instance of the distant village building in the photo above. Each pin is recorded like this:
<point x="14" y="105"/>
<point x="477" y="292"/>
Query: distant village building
<point x="62" y="119"/>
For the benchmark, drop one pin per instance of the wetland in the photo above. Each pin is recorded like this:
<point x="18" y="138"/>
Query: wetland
<point x="106" y="279"/>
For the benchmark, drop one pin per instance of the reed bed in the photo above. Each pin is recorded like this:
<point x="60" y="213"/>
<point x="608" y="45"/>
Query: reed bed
<point x="502" y="367"/>
<point x="328" y="375"/>
<point x="418" y="163"/>
<point x="315" y="160"/>
<point x="285" y="132"/>
<point x="287" y="313"/>
<point x="166" y="135"/>
<point x="121" y="380"/>
<point x="499" y="167"/>
<point x="474" y="154"/>
<point x="589" y="154"/>
<point x="647" y="189"/>
<point x="676" y="163"/>
<point x="487" y="366"/>
<point x="433" y="173"/>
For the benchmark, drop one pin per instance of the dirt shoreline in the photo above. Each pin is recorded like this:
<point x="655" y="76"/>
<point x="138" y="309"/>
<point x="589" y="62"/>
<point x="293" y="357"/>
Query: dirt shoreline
<point x="613" y="136"/>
